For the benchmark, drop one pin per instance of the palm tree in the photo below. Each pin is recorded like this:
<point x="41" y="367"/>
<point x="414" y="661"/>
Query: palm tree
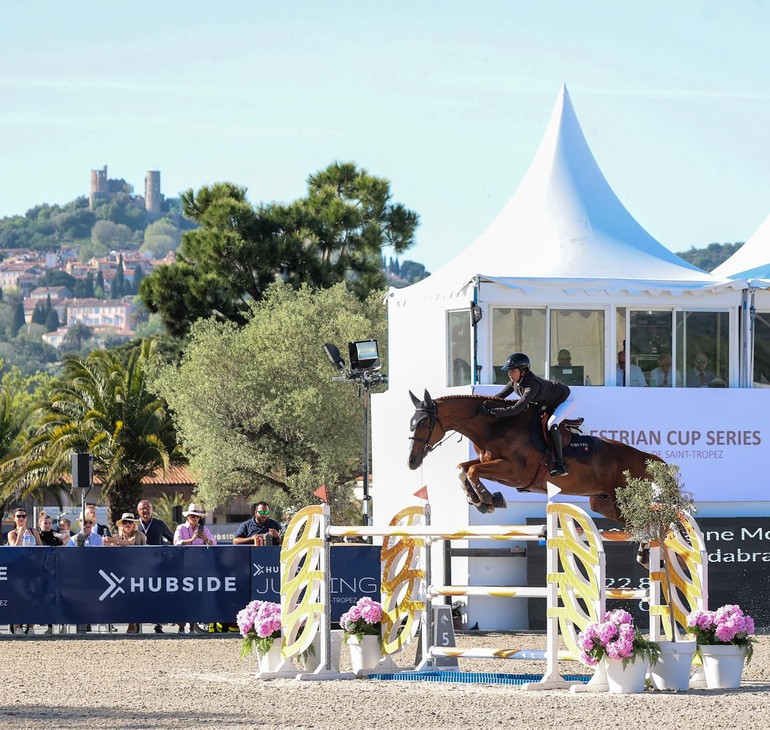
<point x="104" y="407"/>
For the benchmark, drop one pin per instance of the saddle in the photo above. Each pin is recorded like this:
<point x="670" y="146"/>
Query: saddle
<point x="574" y="442"/>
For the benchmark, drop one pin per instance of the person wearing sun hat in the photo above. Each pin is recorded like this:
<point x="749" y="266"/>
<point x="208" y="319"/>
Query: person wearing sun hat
<point x="192" y="532"/>
<point x="128" y="532"/>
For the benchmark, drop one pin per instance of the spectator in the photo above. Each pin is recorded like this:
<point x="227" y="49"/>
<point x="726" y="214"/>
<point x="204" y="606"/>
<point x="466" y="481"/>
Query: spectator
<point x="260" y="529"/>
<point x="127" y="535"/>
<point x="87" y="537"/>
<point x="50" y="538"/>
<point x="632" y="374"/>
<point x="699" y="376"/>
<point x="47" y="535"/>
<point x="101" y="530"/>
<point x="564" y="359"/>
<point x="65" y="529"/>
<point x="22" y="536"/>
<point x="155" y="530"/>
<point x="189" y="533"/>
<point x="661" y="376"/>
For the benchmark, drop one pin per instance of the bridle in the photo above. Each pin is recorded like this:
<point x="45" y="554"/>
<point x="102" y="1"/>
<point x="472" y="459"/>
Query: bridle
<point x="426" y="411"/>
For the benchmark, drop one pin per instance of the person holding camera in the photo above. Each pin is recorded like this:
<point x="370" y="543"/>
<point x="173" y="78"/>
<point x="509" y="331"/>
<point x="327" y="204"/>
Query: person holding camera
<point x="193" y="532"/>
<point x="260" y="529"/>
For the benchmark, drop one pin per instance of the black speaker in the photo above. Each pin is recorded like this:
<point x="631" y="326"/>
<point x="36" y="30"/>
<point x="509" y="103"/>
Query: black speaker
<point x="82" y="470"/>
<point x="176" y="514"/>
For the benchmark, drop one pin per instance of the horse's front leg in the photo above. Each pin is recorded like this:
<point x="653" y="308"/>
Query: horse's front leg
<point x="489" y="501"/>
<point x="471" y="495"/>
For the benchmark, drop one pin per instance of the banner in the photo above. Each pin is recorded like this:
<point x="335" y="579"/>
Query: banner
<point x="165" y="584"/>
<point x="719" y="437"/>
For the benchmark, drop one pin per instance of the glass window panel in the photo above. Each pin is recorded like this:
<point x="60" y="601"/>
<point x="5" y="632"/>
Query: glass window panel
<point x="577" y="346"/>
<point x="762" y="350"/>
<point x="459" y="348"/>
<point x="517" y="330"/>
<point x="651" y="338"/>
<point x="703" y="348"/>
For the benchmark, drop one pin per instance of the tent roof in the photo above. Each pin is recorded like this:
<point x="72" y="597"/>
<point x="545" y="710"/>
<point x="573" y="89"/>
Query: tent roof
<point x="752" y="260"/>
<point x="563" y="223"/>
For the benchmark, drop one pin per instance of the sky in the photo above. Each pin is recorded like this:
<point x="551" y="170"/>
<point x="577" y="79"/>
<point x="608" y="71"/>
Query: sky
<point x="447" y="101"/>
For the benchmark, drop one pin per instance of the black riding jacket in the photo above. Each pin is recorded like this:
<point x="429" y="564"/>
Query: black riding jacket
<point x="531" y="389"/>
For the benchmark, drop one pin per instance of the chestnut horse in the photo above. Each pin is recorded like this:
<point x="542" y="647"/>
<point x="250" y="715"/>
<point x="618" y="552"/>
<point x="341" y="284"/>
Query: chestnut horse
<point x="506" y="454"/>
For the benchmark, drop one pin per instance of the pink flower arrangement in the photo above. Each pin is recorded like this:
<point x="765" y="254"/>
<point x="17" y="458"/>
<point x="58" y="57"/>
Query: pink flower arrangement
<point x="259" y="623"/>
<point x="616" y="638"/>
<point x="726" y="625"/>
<point x="362" y="619"/>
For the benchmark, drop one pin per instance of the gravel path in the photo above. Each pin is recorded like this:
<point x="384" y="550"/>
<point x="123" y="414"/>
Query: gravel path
<point x="171" y="681"/>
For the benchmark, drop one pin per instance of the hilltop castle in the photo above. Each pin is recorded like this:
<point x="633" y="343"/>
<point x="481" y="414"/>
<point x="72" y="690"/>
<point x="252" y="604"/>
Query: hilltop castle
<point x="102" y="188"/>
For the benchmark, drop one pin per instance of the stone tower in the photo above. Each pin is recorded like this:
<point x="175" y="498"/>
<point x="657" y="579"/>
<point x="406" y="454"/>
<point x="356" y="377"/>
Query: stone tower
<point x="152" y="196"/>
<point x="99" y="188"/>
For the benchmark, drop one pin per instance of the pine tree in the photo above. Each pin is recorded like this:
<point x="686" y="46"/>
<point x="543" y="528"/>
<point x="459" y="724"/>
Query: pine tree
<point x="18" y="317"/>
<point x="90" y="286"/>
<point x="99" y="285"/>
<point x="138" y="276"/>
<point x="39" y="313"/>
<point x="118" y="284"/>
<point x="52" y="320"/>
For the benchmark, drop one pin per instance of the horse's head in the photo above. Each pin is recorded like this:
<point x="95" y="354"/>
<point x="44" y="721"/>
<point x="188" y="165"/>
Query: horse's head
<point x="425" y="426"/>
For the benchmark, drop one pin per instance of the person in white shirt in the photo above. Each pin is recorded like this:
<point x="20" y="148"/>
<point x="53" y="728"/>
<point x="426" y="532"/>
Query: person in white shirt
<point x="631" y="375"/>
<point x="662" y="376"/>
<point x="87" y="537"/>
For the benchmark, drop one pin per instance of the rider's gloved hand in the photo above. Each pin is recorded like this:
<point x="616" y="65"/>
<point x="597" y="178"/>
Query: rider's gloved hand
<point x="485" y="409"/>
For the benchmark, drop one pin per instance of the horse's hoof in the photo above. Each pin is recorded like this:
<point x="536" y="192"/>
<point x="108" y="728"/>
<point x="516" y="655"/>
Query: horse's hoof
<point x="498" y="501"/>
<point x="485" y="509"/>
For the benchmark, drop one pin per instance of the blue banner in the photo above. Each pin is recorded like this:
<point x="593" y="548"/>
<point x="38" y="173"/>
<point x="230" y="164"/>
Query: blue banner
<point x="162" y="584"/>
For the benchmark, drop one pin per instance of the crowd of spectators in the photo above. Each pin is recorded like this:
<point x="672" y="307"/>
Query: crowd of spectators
<point x="136" y="531"/>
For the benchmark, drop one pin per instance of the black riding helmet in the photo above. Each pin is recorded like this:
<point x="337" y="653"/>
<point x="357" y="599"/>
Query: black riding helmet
<point x="516" y="361"/>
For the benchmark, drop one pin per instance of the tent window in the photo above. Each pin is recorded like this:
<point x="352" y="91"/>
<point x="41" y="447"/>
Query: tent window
<point x="517" y="330"/>
<point x="703" y="336"/>
<point x="577" y="346"/>
<point x="459" y="348"/>
<point x="651" y="349"/>
<point x="762" y="350"/>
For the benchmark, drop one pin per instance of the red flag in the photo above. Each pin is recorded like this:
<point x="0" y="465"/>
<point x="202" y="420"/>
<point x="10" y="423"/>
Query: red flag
<point x="422" y="493"/>
<point x="321" y="493"/>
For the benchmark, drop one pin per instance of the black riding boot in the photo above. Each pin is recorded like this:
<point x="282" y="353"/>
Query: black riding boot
<point x="558" y="467"/>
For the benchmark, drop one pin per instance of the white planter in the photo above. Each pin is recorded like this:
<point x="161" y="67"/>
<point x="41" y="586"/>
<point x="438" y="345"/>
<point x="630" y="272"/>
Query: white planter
<point x="313" y="662"/>
<point x="269" y="662"/>
<point x="364" y="654"/>
<point x="672" y="670"/>
<point x="722" y="665"/>
<point x="626" y="680"/>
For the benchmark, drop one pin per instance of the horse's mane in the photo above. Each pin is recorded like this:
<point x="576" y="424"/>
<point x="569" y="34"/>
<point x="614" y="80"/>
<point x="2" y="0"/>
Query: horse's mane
<point x="473" y="397"/>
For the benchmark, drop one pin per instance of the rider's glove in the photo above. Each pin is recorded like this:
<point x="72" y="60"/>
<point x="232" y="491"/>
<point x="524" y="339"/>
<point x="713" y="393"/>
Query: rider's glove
<point x="485" y="409"/>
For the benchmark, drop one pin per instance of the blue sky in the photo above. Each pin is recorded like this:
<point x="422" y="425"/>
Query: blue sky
<point x="446" y="100"/>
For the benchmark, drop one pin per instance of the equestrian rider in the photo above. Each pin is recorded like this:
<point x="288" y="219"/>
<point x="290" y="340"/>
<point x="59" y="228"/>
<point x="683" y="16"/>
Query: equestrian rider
<point x="532" y="389"/>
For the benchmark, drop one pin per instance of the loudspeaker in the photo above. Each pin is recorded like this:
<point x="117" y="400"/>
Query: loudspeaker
<point x="82" y="470"/>
<point x="176" y="514"/>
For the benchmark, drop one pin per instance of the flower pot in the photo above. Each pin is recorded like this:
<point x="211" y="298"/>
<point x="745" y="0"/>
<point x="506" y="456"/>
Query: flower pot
<point x="269" y="662"/>
<point x="364" y="654"/>
<point x="672" y="670"/>
<point x="722" y="665"/>
<point x="313" y="661"/>
<point x="628" y="679"/>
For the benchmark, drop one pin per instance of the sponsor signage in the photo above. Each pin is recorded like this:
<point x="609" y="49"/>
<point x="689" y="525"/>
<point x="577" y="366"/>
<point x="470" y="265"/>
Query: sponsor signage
<point x="162" y="584"/>
<point x="738" y="572"/>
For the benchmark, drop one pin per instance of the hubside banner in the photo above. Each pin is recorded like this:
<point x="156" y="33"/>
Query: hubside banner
<point x="162" y="584"/>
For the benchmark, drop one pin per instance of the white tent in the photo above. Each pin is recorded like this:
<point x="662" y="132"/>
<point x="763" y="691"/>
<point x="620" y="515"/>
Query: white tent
<point x="564" y="242"/>
<point x="752" y="260"/>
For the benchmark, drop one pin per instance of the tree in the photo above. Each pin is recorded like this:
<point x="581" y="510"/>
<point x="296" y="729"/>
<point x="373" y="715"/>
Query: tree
<point x="56" y="277"/>
<point x="138" y="276"/>
<point x="118" y="283"/>
<point x="258" y="424"/>
<point x="39" y="313"/>
<point x="160" y="238"/>
<point x="18" y="317"/>
<point x="104" y="407"/>
<point x="109" y="235"/>
<point x="52" y="320"/>
<point x="99" y="285"/>
<point x="77" y="334"/>
<point x="335" y="234"/>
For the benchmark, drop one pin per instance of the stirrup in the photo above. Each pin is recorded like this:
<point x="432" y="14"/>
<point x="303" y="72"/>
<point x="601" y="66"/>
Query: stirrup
<point x="558" y="469"/>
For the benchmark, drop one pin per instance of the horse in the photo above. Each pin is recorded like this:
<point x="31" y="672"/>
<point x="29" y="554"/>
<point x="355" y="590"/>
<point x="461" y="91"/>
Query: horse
<point x="507" y="455"/>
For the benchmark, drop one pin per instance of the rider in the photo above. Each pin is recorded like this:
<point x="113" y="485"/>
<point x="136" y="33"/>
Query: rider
<point x="532" y="389"/>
